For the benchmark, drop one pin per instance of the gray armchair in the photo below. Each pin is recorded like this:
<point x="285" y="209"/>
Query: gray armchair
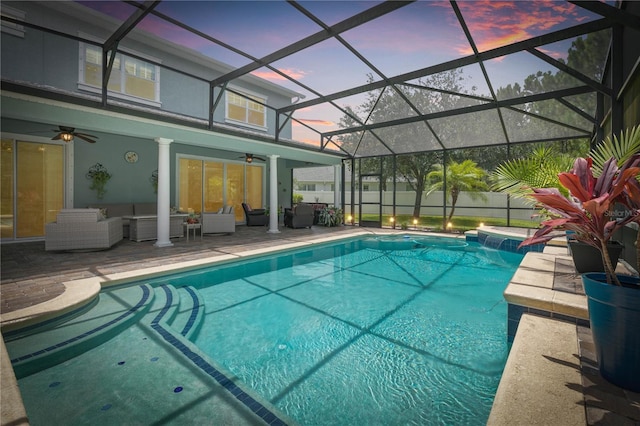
<point x="255" y="217"/>
<point x="301" y="216"/>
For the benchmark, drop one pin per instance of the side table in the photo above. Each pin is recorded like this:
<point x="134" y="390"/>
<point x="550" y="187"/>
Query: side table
<point x="194" y="226"/>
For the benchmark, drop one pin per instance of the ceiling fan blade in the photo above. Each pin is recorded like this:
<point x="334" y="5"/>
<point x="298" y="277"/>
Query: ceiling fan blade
<point x="84" y="138"/>
<point x="66" y="129"/>
<point x="259" y="158"/>
<point x="56" y="137"/>
<point x="86" y="135"/>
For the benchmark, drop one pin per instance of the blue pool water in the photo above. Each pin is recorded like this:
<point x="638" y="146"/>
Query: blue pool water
<point x="376" y="331"/>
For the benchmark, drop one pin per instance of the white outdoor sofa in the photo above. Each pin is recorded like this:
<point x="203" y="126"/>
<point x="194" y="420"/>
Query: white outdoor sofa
<point x="82" y="229"/>
<point x="218" y="223"/>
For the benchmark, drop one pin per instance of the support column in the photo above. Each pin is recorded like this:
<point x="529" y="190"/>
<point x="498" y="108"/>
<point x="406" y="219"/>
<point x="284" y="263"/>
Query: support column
<point x="337" y="171"/>
<point x="164" y="192"/>
<point x="273" y="194"/>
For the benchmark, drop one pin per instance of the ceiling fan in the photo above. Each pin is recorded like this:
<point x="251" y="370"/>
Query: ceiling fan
<point x="250" y="157"/>
<point x="68" y="133"/>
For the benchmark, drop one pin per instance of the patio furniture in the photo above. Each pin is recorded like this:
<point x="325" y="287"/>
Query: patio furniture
<point x="82" y="229"/>
<point x="220" y="222"/>
<point x="143" y="228"/>
<point x="193" y="226"/>
<point x="300" y="216"/>
<point x="255" y="217"/>
<point x="126" y="209"/>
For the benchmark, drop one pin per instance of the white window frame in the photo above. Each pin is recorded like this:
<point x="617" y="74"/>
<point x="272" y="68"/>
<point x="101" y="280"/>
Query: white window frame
<point x="249" y="94"/>
<point x="120" y="95"/>
<point x="9" y="27"/>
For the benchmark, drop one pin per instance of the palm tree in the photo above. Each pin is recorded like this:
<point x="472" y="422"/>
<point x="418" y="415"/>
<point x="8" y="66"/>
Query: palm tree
<point x="459" y="177"/>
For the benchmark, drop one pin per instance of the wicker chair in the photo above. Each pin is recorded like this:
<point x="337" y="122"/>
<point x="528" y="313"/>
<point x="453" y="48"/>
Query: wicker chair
<point x="82" y="229"/>
<point x="255" y="217"/>
<point x="301" y="216"/>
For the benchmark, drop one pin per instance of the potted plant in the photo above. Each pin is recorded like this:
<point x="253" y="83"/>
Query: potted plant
<point x="613" y="300"/>
<point x="330" y="216"/>
<point x="99" y="177"/>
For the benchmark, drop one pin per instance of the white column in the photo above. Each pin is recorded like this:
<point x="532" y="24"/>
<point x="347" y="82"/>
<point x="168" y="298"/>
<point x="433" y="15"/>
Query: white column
<point x="337" y="172"/>
<point x="164" y="192"/>
<point x="273" y="194"/>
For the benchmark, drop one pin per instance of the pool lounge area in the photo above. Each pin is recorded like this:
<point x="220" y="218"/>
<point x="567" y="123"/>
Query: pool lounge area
<point x="550" y="374"/>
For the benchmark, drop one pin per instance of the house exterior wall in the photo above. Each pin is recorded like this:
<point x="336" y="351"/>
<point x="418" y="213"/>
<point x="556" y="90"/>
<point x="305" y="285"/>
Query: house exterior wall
<point x="51" y="61"/>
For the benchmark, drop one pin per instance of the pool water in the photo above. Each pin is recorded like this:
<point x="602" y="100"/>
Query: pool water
<point x="376" y="331"/>
<point x="365" y="334"/>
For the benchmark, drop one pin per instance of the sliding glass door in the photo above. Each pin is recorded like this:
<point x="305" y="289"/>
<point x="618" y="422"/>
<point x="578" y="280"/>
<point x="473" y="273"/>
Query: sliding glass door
<point x="208" y="185"/>
<point x="32" y="187"/>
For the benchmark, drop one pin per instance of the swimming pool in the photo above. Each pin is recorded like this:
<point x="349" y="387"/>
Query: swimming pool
<point x="373" y="331"/>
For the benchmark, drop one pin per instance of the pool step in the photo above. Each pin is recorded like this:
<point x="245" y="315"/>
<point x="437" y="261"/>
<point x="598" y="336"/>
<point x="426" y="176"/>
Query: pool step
<point x="113" y="311"/>
<point x="190" y="312"/>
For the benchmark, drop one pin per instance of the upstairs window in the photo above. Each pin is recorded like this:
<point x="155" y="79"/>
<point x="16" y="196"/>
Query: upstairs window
<point x="131" y="78"/>
<point x="247" y="109"/>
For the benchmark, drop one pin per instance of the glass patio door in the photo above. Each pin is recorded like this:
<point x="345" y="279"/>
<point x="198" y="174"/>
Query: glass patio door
<point x="208" y="185"/>
<point x="32" y="187"/>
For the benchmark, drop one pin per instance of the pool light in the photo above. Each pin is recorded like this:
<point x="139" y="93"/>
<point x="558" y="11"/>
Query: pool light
<point x="449" y="225"/>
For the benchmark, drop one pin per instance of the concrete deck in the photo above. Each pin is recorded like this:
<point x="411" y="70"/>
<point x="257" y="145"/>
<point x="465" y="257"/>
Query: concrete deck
<point x="551" y="376"/>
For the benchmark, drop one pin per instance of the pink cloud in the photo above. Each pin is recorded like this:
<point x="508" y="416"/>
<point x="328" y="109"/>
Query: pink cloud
<point x="273" y="76"/>
<point x="311" y="121"/>
<point x="496" y="23"/>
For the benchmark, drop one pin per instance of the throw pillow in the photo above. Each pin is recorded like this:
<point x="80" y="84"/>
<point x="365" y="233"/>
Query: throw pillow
<point x="248" y="207"/>
<point x="221" y="209"/>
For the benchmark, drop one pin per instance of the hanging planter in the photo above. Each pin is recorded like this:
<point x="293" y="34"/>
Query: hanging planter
<point x="99" y="177"/>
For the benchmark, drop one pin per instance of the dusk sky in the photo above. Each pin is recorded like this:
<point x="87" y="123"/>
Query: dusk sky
<point x="416" y="36"/>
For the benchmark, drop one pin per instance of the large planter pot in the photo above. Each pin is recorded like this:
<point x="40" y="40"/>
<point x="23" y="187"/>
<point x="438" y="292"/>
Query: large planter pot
<point x="614" y="313"/>
<point x="587" y="258"/>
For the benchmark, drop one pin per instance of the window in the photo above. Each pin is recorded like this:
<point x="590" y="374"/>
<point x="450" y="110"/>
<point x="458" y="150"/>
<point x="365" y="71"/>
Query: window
<point x="307" y="187"/>
<point x="10" y="27"/>
<point x="130" y="78"/>
<point x="246" y="109"/>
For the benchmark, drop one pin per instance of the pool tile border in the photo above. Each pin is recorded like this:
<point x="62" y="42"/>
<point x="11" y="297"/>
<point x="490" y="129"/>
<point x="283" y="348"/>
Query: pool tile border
<point x="247" y="400"/>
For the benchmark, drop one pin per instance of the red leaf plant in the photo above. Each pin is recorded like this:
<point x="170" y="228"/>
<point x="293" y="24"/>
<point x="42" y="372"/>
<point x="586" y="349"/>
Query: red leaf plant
<point x="588" y="211"/>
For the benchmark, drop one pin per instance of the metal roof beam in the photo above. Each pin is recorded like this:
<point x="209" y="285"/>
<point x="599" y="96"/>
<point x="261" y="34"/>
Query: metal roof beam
<point x="129" y="24"/>
<point x="572" y="72"/>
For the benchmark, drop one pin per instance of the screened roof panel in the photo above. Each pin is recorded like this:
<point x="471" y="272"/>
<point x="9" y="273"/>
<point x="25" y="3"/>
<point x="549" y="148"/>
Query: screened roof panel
<point x="255" y="27"/>
<point x="585" y="102"/>
<point x="586" y="54"/>
<point x="524" y="127"/>
<point x="497" y="23"/>
<point x="326" y="67"/>
<point x="398" y="42"/>
<point x="535" y="76"/>
<point x="407" y="138"/>
<point x="419" y="47"/>
<point x="467" y="130"/>
<point x="558" y="112"/>
<point x="187" y="39"/>
<point x="371" y="145"/>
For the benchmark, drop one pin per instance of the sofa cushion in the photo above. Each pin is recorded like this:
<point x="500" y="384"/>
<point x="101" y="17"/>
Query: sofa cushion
<point x="116" y="210"/>
<point x="141" y="209"/>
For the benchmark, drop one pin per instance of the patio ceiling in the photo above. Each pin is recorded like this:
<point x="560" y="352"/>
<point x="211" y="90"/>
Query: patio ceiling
<point x="397" y="77"/>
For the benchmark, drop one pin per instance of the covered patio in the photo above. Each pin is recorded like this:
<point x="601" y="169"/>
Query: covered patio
<point x="481" y="88"/>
